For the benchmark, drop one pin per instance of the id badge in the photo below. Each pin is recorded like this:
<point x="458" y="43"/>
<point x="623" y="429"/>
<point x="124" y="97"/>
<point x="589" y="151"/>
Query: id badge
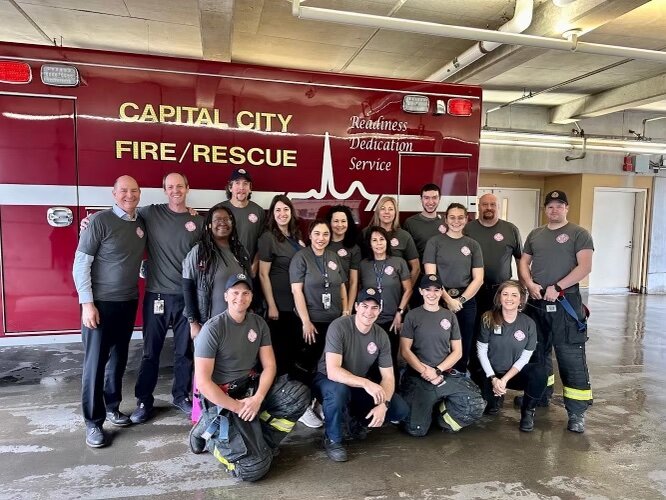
<point x="326" y="301"/>
<point x="497" y="330"/>
<point x="551" y="308"/>
<point x="158" y="306"/>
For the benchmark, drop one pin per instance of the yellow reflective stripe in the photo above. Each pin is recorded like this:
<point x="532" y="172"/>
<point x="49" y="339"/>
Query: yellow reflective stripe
<point x="281" y="424"/>
<point x="578" y="394"/>
<point x="452" y="423"/>
<point x="227" y="464"/>
<point x="551" y="380"/>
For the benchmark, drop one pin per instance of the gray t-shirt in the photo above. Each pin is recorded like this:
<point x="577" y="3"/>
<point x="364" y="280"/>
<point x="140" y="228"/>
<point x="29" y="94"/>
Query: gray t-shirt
<point x="554" y="251"/>
<point x="423" y="228"/>
<point x="455" y="259"/>
<point x="350" y="257"/>
<point x="319" y="275"/>
<point x="507" y="343"/>
<point x="234" y="346"/>
<point x="170" y="236"/>
<point x="227" y="264"/>
<point x="117" y="247"/>
<point x="279" y="254"/>
<point x="498" y="243"/>
<point x="386" y="275"/>
<point x="401" y="243"/>
<point x="359" y="350"/>
<point x="431" y="332"/>
<point x="249" y="224"/>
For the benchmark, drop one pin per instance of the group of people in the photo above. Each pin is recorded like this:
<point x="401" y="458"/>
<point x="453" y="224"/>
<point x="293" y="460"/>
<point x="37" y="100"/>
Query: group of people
<point x="350" y="331"/>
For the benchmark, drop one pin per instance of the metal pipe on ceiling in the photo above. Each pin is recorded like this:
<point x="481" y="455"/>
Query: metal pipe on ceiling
<point x="465" y="33"/>
<point x="521" y="20"/>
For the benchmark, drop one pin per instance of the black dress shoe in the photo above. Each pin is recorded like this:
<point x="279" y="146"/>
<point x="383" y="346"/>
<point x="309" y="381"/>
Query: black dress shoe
<point x="118" y="418"/>
<point x="141" y="414"/>
<point x="184" y="405"/>
<point x="95" y="437"/>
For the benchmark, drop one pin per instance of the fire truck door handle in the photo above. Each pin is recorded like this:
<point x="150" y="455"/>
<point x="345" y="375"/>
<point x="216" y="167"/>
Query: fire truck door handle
<point x="59" y="216"/>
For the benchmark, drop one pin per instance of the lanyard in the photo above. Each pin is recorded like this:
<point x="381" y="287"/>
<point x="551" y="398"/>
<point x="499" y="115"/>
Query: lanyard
<point x="379" y="274"/>
<point x="322" y="267"/>
<point x="292" y="241"/>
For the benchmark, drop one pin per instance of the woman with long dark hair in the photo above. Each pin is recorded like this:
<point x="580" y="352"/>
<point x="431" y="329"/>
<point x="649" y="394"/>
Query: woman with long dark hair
<point x="206" y="268"/>
<point x="277" y="246"/>
<point x="458" y="262"/>
<point x="505" y="347"/>
<point x="390" y="276"/>
<point x="344" y="237"/>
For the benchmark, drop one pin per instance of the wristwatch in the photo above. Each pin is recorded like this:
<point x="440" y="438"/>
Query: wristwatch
<point x="462" y="299"/>
<point x="491" y="377"/>
<point x="558" y="288"/>
<point x="438" y="371"/>
<point x="192" y="320"/>
<point x="401" y="311"/>
<point x="387" y="403"/>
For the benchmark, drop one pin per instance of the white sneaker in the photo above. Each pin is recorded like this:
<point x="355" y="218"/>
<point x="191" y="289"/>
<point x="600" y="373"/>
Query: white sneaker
<point x="310" y="419"/>
<point x="318" y="410"/>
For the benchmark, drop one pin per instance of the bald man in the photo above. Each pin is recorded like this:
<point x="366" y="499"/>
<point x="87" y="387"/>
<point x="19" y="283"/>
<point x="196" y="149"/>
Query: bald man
<point x="106" y="274"/>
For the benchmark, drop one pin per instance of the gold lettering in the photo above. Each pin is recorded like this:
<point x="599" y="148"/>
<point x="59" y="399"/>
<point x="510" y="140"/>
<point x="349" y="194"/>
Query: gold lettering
<point x="289" y="157"/>
<point x="168" y="151"/>
<point x="166" y="112"/>
<point x="219" y="154"/>
<point x="123" y="147"/>
<point x="241" y="124"/>
<point x="123" y="112"/>
<point x="250" y="156"/>
<point x="284" y="121"/>
<point x="204" y="117"/>
<point x="149" y="114"/>
<point x="200" y="152"/>
<point x="237" y="155"/>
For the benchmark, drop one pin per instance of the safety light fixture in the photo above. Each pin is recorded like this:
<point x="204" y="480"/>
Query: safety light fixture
<point x="415" y="104"/>
<point x="15" y="72"/>
<point x="59" y="75"/>
<point x="459" y="107"/>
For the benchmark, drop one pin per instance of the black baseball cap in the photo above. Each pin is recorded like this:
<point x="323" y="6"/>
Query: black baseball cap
<point x="556" y="196"/>
<point x="240" y="173"/>
<point x="234" y="279"/>
<point x="369" y="294"/>
<point x="429" y="280"/>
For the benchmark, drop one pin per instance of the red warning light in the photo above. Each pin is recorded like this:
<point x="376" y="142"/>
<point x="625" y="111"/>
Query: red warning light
<point x="15" y="72"/>
<point x="459" y="107"/>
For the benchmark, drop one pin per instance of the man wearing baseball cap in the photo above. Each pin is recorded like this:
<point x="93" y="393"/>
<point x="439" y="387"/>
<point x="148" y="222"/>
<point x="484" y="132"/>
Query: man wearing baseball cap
<point x="226" y="356"/>
<point x="556" y="257"/>
<point x="353" y="345"/>
<point x="431" y="345"/>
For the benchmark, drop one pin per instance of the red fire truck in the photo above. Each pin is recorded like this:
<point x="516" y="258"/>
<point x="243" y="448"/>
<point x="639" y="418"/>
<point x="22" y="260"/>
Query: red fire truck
<point x="72" y="121"/>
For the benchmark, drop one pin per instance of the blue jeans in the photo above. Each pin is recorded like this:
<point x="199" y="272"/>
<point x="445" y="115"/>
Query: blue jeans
<point x="337" y="399"/>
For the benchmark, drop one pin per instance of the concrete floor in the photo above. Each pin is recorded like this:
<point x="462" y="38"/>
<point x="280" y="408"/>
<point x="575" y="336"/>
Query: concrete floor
<point x="621" y="455"/>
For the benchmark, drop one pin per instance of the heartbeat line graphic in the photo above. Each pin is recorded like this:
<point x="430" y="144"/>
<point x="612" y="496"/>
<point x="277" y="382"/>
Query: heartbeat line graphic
<point x="327" y="186"/>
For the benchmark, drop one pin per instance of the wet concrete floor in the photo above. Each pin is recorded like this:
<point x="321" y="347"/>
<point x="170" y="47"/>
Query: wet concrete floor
<point x="621" y="455"/>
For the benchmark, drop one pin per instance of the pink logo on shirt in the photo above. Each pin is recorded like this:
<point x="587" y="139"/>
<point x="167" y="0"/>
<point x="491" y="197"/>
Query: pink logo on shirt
<point x="445" y="324"/>
<point x="342" y="252"/>
<point x="332" y="265"/>
<point x="372" y="348"/>
<point x="519" y="335"/>
<point x="139" y="232"/>
<point x="389" y="270"/>
<point x="465" y="251"/>
<point x="442" y="228"/>
<point x="302" y="243"/>
<point x="562" y="238"/>
<point x="252" y="335"/>
<point x="190" y="226"/>
<point x="394" y="242"/>
<point x="498" y="237"/>
<point x="252" y="218"/>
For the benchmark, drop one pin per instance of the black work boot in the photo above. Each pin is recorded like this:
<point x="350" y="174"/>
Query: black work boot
<point x="527" y="414"/>
<point x="197" y="443"/>
<point x="576" y="423"/>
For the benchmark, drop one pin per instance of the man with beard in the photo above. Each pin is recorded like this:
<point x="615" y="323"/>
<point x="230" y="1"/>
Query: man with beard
<point x="499" y="241"/>
<point x="556" y="258"/>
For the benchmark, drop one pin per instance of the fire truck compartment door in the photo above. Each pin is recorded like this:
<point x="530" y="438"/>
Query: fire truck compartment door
<point x="38" y="195"/>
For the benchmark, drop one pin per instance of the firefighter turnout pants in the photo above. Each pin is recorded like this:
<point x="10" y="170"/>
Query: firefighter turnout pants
<point x="557" y="329"/>
<point x="457" y="403"/>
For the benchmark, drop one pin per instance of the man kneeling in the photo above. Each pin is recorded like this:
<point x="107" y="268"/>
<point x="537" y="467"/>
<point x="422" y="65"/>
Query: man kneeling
<point x="348" y="397"/>
<point x="226" y="352"/>
<point x="430" y="344"/>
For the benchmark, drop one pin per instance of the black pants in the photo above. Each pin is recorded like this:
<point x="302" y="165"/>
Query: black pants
<point x="308" y="355"/>
<point x="155" y="328"/>
<point x="287" y="339"/>
<point x="466" y="318"/>
<point x="394" y="338"/>
<point x="484" y="302"/>
<point x="531" y="379"/>
<point x="556" y="328"/>
<point x="105" y="358"/>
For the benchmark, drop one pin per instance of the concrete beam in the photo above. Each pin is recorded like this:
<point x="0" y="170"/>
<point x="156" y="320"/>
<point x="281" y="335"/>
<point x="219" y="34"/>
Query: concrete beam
<point x="216" y="24"/>
<point x="628" y="96"/>
<point x="548" y="21"/>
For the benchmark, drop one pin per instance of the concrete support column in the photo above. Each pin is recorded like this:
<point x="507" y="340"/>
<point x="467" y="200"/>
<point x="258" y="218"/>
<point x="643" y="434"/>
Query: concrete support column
<point x="656" y="275"/>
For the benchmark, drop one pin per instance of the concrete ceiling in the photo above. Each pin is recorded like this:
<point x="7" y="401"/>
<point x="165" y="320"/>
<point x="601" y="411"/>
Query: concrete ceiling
<point x="265" y="32"/>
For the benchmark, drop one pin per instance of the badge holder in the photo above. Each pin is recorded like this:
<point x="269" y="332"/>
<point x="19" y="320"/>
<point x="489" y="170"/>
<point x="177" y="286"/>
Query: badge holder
<point x="158" y="305"/>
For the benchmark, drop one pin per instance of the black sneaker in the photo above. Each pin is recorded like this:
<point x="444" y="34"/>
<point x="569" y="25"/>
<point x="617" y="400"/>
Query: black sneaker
<point x="95" y="437"/>
<point x="576" y="423"/>
<point x="141" y="414"/>
<point x="335" y="451"/>
<point x="197" y="443"/>
<point x="184" y="405"/>
<point x="118" y="418"/>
